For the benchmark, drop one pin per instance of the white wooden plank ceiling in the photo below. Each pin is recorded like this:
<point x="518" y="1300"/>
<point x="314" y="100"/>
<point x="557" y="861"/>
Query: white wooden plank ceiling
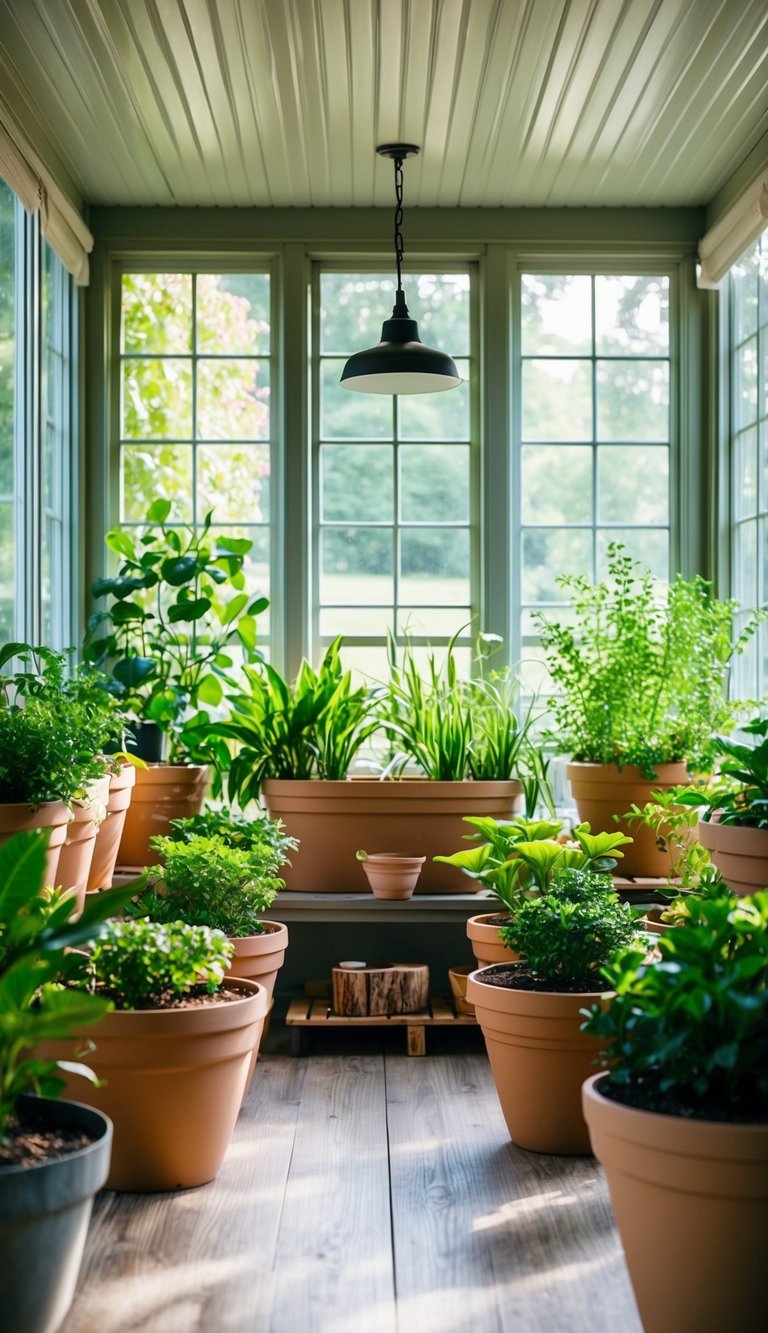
<point x="280" y="102"/>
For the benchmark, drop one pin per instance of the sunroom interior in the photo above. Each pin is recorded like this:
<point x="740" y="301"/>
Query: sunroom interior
<point x="196" y="233"/>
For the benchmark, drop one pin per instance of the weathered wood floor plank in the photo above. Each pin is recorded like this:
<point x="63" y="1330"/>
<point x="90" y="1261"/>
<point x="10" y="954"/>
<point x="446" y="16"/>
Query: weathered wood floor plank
<point x="488" y="1237"/>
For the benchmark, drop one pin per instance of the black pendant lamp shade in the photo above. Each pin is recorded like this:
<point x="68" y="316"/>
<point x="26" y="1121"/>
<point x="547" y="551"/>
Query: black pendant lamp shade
<point x="400" y="363"/>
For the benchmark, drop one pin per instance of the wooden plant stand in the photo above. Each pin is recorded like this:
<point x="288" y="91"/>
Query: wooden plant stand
<point x="314" y="1011"/>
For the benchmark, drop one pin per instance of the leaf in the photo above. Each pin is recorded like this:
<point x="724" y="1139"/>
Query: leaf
<point x="180" y="569"/>
<point x="209" y="691"/>
<point x="121" y="541"/>
<point x="158" y="511"/>
<point x="134" y="671"/>
<point x="189" y="611"/>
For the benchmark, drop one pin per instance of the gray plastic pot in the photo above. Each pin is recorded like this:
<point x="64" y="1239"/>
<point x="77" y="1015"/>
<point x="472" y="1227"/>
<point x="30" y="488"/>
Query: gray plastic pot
<point x="44" y="1216"/>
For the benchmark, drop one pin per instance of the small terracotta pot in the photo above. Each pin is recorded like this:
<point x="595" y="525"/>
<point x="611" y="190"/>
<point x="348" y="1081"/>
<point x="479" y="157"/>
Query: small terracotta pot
<point x="457" y="976"/>
<point x="259" y="958"/>
<point x="652" y="921"/>
<point x="707" y="1181"/>
<point x="539" y="1060"/>
<point x="173" y="1086"/>
<point x="162" y="792"/>
<point x="77" y="852"/>
<point x="391" y="875"/>
<point x="333" y="819"/>
<point x="110" y="832"/>
<point x="487" y="944"/>
<point x="52" y="815"/>
<point x="604" y="790"/>
<point x="740" y="854"/>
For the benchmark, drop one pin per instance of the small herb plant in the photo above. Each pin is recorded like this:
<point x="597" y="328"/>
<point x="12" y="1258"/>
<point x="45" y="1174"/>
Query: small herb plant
<point x="449" y="727"/>
<point x="689" y="1033"/>
<point x="642" y="671"/>
<point x="149" y="965"/>
<point x="521" y="856"/>
<point x="264" y="838"/>
<point x="35" y="930"/>
<point x="178" y="606"/>
<point x="570" y="931"/>
<point x="53" y="727"/>
<point x="205" y="882"/>
<point x="314" y="727"/>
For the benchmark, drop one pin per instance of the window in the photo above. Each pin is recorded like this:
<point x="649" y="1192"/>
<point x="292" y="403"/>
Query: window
<point x="395" y="479"/>
<point x="38" y="441"/>
<point x="594" y="431"/>
<point x="748" y="286"/>
<point x="195" y="420"/>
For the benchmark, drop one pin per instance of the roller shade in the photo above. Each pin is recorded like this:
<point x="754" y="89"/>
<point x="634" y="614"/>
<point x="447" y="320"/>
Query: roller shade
<point x="60" y="222"/>
<point x="736" y="230"/>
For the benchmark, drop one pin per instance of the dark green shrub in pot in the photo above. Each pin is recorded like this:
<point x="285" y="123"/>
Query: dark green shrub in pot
<point x="680" y="1120"/>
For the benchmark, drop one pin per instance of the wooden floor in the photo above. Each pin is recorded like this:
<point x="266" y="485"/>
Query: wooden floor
<point x="364" y="1192"/>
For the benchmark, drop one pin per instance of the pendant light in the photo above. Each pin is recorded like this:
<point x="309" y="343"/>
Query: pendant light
<point x="400" y="363"/>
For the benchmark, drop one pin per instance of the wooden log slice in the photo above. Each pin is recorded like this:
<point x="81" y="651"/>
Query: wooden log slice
<point x="379" y="990"/>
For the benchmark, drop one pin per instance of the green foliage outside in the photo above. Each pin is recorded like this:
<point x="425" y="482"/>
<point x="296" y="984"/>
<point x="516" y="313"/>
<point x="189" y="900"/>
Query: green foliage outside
<point x="689" y="1031"/>
<point x="205" y="882"/>
<point x="53" y="727"/>
<point x="570" y="931"/>
<point x="36" y="929"/>
<point x="141" y="964"/>
<point x="643" y="669"/>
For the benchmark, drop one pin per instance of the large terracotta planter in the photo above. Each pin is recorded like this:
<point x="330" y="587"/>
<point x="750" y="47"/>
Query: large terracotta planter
<point x="44" y="1215"/>
<point x="110" y="832"/>
<point x="82" y="830"/>
<point x="673" y="1177"/>
<point x="333" y="820"/>
<point x="487" y="944"/>
<point x="162" y="792"/>
<point x="604" y="790"/>
<point x="51" y="815"/>
<point x="173" y="1085"/>
<point x="740" y="854"/>
<point x="539" y="1060"/>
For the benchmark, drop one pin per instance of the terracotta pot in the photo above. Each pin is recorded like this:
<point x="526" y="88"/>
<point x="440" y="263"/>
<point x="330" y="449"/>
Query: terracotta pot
<point x="670" y="1176"/>
<point x="604" y="790"/>
<point x="162" y="792"/>
<point x="391" y="875"/>
<point x="110" y="831"/>
<point x="44" y="1214"/>
<point x="333" y="819"/>
<point x="52" y="815"/>
<point x="539" y="1060"/>
<point x="457" y="976"/>
<point x="652" y="921"/>
<point x="487" y="945"/>
<point x="260" y="957"/>
<point x="740" y="854"/>
<point x="77" y="850"/>
<point x="173" y="1085"/>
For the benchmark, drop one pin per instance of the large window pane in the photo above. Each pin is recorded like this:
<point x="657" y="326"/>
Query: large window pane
<point x="556" y="315"/>
<point x="434" y="566"/>
<point x="632" y="400"/>
<point x="434" y="483"/>
<point x="233" y="481"/>
<point x="633" y="484"/>
<point x="556" y="483"/>
<point x="157" y="313"/>
<point x="557" y="400"/>
<point x="157" y="399"/>
<point x="357" y="566"/>
<point x="233" y="313"/>
<point x="631" y="316"/>
<point x="7" y="409"/>
<point x="232" y="399"/>
<point x="357" y="480"/>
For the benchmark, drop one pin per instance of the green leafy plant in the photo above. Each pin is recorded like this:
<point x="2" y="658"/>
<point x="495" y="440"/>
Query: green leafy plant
<point x="263" y="838"/>
<point x="689" y="1032"/>
<point x="673" y="816"/>
<point x="740" y="793"/>
<point x="178" y="605"/>
<point x="569" y="932"/>
<point x="140" y="964"/>
<point x="312" y="728"/>
<point x="521" y="856"/>
<point x="206" y="882"/>
<point x="642" y="672"/>
<point x="54" y="726"/>
<point x="35" y="930"/>
<point x="450" y="727"/>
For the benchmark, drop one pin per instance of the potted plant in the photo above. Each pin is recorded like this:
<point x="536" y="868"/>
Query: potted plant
<point x="224" y="879"/>
<point x="672" y="816"/>
<point x="680" y="1120"/>
<point x="734" y="822"/>
<point x="173" y="1057"/>
<point x="391" y="875"/>
<point x="54" y="1155"/>
<point x="530" y="1010"/>
<point x="641" y="674"/>
<point x="298" y="743"/>
<point x="177" y="606"/>
<point x="49" y="749"/>
<point x="519" y="859"/>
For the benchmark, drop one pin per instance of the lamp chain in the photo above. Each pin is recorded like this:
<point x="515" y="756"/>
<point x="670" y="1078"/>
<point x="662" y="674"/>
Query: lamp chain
<point x="399" y="245"/>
